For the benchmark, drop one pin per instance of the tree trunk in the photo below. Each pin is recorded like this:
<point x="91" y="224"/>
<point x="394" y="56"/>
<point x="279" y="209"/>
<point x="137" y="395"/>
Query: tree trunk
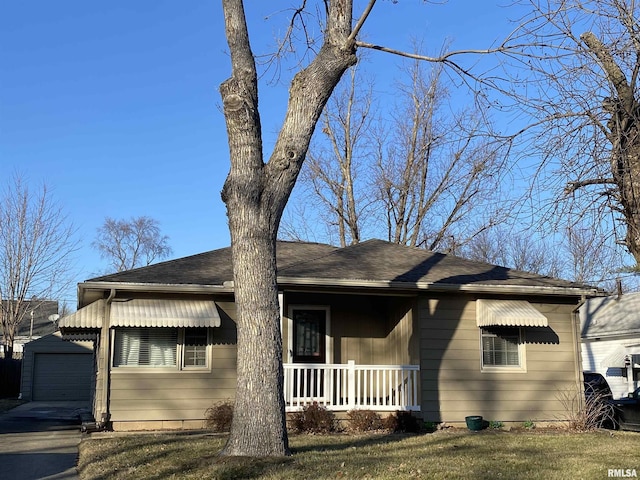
<point x="624" y="135"/>
<point x="626" y="174"/>
<point x="259" y="427"/>
<point x="255" y="194"/>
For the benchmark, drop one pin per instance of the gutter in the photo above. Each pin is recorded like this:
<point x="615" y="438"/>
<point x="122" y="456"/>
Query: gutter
<point x="577" y="345"/>
<point x="442" y="287"/>
<point x="283" y="281"/>
<point x="151" y="287"/>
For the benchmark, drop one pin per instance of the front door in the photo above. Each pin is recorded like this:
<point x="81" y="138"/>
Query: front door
<point x="309" y="336"/>
<point x="309" y="347"/>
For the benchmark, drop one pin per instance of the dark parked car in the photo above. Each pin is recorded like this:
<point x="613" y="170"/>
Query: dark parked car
<point x="596" y="385"/>
<point x="628" y="411"/>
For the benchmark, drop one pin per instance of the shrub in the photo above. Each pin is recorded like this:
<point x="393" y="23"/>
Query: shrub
<point x="363" y="420"/>
<point x="584" y="414"/>
<point x="496" y="424"/>
<point x="432" y="426"/>
<point x="313" y="418"/>
<point x="529" y="424"/>
<point x="402" y="421"/>
<point x="220" y="416"/>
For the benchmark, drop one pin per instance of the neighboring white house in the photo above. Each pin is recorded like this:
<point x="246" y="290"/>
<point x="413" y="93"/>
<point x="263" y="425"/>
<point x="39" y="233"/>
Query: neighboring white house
<point x="610" y="329"/>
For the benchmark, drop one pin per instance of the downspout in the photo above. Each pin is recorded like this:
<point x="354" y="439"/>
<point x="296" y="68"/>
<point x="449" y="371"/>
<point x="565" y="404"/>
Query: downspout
<point x="104" y="365"/>
<point x="577" y="345"/>
<point x="106" y="336"/>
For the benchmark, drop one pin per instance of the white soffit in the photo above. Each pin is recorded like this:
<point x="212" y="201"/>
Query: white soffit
<point x="89" y="316"/>
<point x="508" y="313"/>
<point x="164" y="313"/>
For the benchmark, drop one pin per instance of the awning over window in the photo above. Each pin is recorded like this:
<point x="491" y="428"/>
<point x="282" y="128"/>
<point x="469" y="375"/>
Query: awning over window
<point x="616" y="358"/>
<point x="89" y="316"/>
<point x="508" y="313"/>
<point x="80" y="334"/>
<point x="164" y="313"/>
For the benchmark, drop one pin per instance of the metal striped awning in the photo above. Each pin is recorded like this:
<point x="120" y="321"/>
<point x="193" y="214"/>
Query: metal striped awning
<point x="82" y="334"/>
<point x="508" y="313"/>
<point x="164" y="313"/>
<point x="617" y="357"/>
<point x="89" y="316"/>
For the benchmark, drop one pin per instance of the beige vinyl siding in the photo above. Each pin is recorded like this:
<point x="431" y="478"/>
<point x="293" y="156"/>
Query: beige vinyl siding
<point x="453" y="384"/>
<point x="140" y="397"/>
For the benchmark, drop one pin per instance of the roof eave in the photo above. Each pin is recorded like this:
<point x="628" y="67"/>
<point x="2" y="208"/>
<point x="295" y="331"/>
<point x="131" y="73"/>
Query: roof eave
<point x="228" y="287"/>
<point x="612" y="335"/>
<point x="151" y="287"/>
<point x="444" y="287"/>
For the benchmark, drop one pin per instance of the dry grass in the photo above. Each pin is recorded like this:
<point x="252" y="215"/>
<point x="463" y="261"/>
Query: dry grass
<point x="456" y="454"/>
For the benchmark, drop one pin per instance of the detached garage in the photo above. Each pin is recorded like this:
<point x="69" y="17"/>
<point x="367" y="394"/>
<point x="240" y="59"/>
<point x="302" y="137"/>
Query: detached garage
<point x="54" y="369"/>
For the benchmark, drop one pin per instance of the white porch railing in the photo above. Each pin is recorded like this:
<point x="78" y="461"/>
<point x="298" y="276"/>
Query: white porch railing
<point x="350" y="386"/>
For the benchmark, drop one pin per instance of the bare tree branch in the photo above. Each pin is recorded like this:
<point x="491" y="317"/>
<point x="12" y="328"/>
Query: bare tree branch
<point x="37" y="244"/>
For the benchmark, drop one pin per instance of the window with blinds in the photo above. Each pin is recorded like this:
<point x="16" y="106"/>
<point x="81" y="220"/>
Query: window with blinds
<point x="501" y="348"/>
<point x="145" y="347"/>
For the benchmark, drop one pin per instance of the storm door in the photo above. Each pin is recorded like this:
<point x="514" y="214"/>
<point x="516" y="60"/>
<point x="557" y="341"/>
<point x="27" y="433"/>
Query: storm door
<point x="309" y="347"/>
<point x="309" y="332"/>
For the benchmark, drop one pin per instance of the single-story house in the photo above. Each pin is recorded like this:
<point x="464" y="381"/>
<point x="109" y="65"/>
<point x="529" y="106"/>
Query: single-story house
<point x="610" y="330"/>
<point x="54" y="369"/>
<point x="371" y="326"/>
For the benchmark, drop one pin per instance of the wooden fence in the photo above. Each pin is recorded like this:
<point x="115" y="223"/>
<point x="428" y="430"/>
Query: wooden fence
<point x="10" y="377"/>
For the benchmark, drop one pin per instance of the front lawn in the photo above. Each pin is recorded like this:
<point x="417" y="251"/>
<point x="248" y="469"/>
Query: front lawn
<point x="446" y="454"/>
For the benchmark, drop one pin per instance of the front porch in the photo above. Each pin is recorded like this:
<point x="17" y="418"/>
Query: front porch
<point x="343" y="387"/>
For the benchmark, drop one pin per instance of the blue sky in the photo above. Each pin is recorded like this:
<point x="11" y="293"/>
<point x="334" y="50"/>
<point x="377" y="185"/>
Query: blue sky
<point x="115" y="105"/>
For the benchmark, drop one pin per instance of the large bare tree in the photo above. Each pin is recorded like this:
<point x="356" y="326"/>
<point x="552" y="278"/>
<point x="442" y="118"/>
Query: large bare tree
<point x="331" y="182"/>
<point x="580" y="63"/>
<point x="517" y="250"/>
<point x="424" y="175"/>
<point x="256" y="192"/>
<point x="578" y="253"/>
<point x="36" y="249"/>
<point x="128" y="244"/>
<point x="437" y="174"/>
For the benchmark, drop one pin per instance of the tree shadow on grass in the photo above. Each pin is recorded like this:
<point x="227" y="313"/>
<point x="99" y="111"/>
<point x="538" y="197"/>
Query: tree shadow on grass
<point x="346" y="442"/>
<point x="228" y="468"/>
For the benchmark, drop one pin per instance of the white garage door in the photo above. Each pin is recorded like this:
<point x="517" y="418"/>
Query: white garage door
<point x="62" y="376"/>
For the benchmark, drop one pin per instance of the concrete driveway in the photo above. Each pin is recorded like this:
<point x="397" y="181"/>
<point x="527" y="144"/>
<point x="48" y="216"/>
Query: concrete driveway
<point x="39" y="440"/>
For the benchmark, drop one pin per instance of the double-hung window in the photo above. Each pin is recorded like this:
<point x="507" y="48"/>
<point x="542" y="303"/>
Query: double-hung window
<point x="159" y="347"/>
<point x="502" y="348"/>
<point x="194" y="348"/>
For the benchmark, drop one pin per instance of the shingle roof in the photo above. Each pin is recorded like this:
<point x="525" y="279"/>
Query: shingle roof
<point x="369" y="261"/>
<point x="611" y="316"/>
<point x="213" y="267"/>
